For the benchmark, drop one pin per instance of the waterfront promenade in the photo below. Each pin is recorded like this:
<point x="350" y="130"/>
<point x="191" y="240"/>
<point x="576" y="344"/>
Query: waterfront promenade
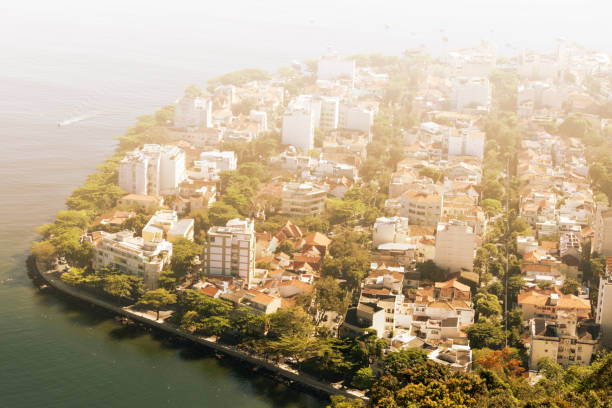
<point x="52" y="278"/>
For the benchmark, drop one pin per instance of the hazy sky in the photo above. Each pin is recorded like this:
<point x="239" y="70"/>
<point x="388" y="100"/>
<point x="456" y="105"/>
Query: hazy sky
<point x="112" y="23"/>
<point x="85" y="35"/>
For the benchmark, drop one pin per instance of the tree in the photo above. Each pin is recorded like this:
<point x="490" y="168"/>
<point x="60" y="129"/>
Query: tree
<point x="341" y="211"/>
<point x="193" y="91"/>
<point x="329" y="296"/>
<point x="485" y="334"/>
<point x="117" y="285"/>
<point x="214" y="325"/>
<point x="487" y="305"/>
<point x="201" y="224"/>
<point x="394" y="363"/>
<point x="190" y="321"/>
<point x="167" y="280"/>
<point x="291" y="322"/>
<point x="136" y="223"/>
<point x="339" y="401"/>
<point x="285" y="247"/>
<point x="156" y="300"/>
<point x="184" y="252"/>
<point x="491" y="206"/>
<point x="571" y="286"/>
<point x="364" y="378"/>
<point x="44" y="251"/>
<point x="430" y="271"/>
<point x="220" y="213"/>
<point x="492" y="189"/>
<point x="436" y="175"/>
<point x="234" y="198"/>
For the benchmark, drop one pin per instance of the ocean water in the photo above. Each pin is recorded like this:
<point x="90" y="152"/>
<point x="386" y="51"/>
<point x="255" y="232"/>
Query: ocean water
<point x="100" y="65"/>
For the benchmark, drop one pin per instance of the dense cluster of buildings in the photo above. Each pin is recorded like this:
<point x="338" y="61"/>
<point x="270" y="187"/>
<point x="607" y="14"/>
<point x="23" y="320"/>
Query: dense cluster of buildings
<point x="433" y="211"/>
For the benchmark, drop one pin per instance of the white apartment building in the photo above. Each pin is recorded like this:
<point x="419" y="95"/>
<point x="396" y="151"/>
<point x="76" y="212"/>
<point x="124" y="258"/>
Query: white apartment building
<point x="466" y="142"/>
<point x="471" y="92"/>
<point x="603" y="310"/>
<point x="455" y="246"/>
<point x="299" y="125"/>
<point x="223" y="161"/>
<point x="193" y="112"/>
<point x="351" y="116"/>
<point x="260" y="117"/>
<point x="331" y="68"/>
<point x="132" y="255"/>
<point x="153" y="170"/>
<point x="602" y="242"/>
<point x="302" y="200"/>
<point x="330" y="110"/>
<point x="390" y="229"/>
<point x="230" y="250"/>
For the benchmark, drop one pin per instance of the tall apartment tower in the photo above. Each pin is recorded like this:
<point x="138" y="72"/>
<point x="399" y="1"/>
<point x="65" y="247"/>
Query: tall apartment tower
<point x="299" y="125"/>
<point x="153" y="170"/>
<point x="455" y="246"/>
<point x="230" y="250"/>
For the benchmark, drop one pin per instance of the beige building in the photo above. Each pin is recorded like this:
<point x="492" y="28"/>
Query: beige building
<point x="165" y="224"/>
<point x="132" y="255"/>
<point x="302" y="200"/>
<point x="563" y="340"/>
<point x="455" y="246"/>
<point x="421" y="208"/>
<point x="230" y="250"/>
<point x="537" y="303"/>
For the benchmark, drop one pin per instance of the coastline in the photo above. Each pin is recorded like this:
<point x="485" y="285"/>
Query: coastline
<point x="52" y="279"/>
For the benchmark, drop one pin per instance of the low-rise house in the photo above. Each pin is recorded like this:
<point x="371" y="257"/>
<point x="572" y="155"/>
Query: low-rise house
<point x="359" y="319"/>
<point x="457" y="356"/>
<point x="115" y="218"/>
<point x="261" y="302"/>
<point x="140" y="201"/>
<point x="181" y="230"/>
<point x="537" y="303"/>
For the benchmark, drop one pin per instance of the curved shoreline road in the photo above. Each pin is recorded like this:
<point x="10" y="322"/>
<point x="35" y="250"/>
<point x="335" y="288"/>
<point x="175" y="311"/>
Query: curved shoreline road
<point x="52" y="278"/>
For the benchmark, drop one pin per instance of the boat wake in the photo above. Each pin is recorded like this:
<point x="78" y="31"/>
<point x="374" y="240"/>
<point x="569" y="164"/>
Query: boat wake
<point x="77" y="119"/>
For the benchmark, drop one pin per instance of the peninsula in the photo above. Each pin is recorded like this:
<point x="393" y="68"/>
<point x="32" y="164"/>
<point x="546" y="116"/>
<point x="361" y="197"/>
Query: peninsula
<point x="392" y="231"/>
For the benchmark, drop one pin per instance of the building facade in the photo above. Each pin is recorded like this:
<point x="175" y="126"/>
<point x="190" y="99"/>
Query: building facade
<point x="603" y="310"/>
<point x="132" y="255"/>
<point x="602" y="241"/>
<point x="193" y="112"/>
<point x="230" y="250"/>
<point x="153" y="170"/>
<point x="302" y="200"/>
<point x="298" y="127"/>
<point x="455" y="246"/>
<point x="471" y="92"/>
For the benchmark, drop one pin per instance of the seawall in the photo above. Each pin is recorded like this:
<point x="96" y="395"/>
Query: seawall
<point x="52" y="279"/>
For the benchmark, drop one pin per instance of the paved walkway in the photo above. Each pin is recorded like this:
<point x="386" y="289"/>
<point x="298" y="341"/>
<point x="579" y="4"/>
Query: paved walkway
<point x="52" y="277"/>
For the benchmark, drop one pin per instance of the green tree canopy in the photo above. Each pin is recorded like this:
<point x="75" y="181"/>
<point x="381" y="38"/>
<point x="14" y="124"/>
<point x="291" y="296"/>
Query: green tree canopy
<point x="157" y="299"/>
